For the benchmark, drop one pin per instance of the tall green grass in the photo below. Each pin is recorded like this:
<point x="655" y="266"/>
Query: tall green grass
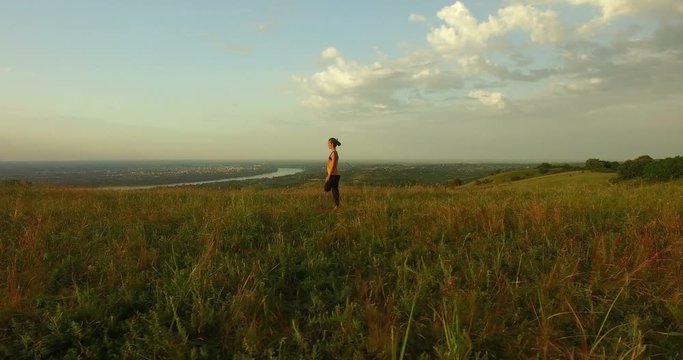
<point x="564" y="271"/>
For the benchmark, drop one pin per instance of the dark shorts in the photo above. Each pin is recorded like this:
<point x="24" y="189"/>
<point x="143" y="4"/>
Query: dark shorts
<point x="332" y="183"/>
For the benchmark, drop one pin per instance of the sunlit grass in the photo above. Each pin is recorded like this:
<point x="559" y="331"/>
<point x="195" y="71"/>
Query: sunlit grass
<point x="567" y="269"/>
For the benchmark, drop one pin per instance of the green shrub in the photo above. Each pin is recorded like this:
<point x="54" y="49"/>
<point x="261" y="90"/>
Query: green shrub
<point x="632" y="169"/>
<point x="665" y="169"/>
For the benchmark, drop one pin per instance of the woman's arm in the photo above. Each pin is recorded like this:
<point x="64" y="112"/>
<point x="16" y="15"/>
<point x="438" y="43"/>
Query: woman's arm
<point x="335" y="160"/>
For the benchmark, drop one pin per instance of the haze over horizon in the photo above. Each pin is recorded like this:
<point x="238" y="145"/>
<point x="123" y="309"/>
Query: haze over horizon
<point x="508" y="80"/>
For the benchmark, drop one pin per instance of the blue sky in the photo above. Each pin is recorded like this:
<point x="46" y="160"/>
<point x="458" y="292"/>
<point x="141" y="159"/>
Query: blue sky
<point x="407" y="79"/>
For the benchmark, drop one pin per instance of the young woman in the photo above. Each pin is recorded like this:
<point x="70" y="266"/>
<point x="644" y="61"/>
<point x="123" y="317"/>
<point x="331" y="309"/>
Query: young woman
<point x="332" y="180"/>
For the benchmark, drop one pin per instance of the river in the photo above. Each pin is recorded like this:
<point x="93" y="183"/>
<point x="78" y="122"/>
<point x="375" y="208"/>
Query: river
<point x="280" y="172"/>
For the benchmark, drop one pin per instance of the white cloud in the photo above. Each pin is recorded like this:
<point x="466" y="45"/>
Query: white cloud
<point x="344" y="83"/>
<point x="315" y="101"/>
<point x="494" y="98"/>
<point x="572" y="67"/>
<point x="543" y="26"/>
<point x="330" y="53"/>
<point x="426" y="73"/>
<point x="614" y="8"/>
<point x="611" y="9"/>
<point x="343" y="75"/>
<point x="635" y="55"/>
<point x="418" y="78"/>
<point x="578" y="85"/>
<point x="463" y="33"/>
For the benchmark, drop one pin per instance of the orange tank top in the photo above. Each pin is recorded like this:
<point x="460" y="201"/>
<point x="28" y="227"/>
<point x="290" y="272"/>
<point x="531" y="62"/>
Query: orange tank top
<point x="331" y="169"/>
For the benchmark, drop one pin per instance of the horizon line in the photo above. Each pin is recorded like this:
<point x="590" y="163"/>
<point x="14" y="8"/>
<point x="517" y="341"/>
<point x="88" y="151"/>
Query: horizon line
<point x="257" y="160"/>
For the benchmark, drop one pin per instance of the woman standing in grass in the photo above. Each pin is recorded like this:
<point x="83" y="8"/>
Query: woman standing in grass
<point x="332" y="180"/>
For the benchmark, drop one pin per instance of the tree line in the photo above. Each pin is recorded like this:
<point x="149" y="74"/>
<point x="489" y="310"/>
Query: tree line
<point x="642" y="167"/>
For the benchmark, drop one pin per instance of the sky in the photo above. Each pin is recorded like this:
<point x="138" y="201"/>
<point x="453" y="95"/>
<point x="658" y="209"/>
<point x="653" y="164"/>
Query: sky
<point x="538" y="80"/>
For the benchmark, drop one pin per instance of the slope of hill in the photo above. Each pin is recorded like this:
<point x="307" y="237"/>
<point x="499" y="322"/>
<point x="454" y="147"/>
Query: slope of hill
<point x="532" y="177"/>
<point x="572" y="178"/>
<point x="508" y="176"/>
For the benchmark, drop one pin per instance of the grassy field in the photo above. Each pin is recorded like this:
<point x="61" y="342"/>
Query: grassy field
<point x="564" y="266"/>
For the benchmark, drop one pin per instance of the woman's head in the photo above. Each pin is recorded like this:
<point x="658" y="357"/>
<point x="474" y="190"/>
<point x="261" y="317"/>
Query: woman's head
<point x="333" y="143"/>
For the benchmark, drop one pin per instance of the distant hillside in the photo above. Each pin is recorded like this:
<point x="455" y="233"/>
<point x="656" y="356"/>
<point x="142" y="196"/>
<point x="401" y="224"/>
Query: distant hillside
<point x="523" y="174"/>
<point x="571" y="178"/>
<point x="508" y="176"/>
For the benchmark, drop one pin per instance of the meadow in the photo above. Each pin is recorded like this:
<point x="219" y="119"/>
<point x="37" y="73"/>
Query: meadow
<point x="566" y="267"/>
